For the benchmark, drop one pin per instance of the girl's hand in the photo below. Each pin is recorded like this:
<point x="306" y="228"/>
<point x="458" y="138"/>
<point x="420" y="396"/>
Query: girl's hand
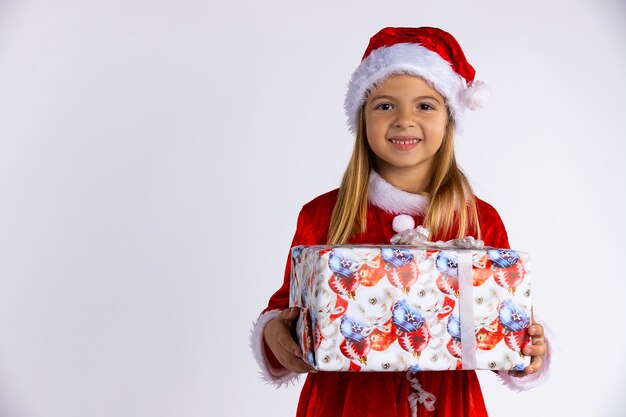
<point x="277" y="334"/>
<point x="535" y="351"/>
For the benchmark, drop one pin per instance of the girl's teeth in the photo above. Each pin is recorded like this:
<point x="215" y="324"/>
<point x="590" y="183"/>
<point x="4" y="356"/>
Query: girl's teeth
<point x="404" y="142"/>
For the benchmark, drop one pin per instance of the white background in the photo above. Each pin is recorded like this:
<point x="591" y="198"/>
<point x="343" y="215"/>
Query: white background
<point x="155" y="154"/>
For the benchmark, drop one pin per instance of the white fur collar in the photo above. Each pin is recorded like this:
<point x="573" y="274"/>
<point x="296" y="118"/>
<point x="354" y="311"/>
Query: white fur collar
<point x="392" y="199"/>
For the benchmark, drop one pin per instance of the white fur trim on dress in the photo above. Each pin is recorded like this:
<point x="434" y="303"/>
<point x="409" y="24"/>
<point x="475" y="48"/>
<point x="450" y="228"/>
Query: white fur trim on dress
<point x="405" y="58"/>
<point x="269" y="374"/>
<point x="533" y="380"/>
<point x="393" y="200"/>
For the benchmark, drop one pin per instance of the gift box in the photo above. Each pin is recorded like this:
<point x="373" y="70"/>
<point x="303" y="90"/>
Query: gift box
<point x="399" y="308"/>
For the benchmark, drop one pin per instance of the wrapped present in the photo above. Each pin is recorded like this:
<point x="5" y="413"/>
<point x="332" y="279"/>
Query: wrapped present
<point x="399" y="308"/>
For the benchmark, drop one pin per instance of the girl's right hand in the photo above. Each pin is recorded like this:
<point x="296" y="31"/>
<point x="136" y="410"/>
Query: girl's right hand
<point x="277" y="334"/>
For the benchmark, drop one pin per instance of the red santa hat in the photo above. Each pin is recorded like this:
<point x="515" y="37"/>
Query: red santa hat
<point x="427" y="52"/>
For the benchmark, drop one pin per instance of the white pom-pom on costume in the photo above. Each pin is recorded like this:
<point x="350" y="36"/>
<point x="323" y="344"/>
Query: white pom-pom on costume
<point x="477" y="95"/>
<point x="402" y="222"/>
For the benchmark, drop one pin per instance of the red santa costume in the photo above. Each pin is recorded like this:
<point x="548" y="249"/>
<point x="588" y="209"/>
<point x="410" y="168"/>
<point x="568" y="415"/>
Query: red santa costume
<point x="347" y="394"/>
<point x="435" y="56"/>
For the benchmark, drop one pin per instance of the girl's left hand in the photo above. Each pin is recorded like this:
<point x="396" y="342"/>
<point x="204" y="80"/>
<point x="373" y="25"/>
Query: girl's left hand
<point x="535" y="351"/>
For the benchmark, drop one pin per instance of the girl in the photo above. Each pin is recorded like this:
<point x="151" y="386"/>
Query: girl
<point x="404" y="102"/>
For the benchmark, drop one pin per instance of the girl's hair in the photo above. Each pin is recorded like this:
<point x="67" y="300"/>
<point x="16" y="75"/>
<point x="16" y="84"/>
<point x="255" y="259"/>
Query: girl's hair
<point x="451" y="200"/>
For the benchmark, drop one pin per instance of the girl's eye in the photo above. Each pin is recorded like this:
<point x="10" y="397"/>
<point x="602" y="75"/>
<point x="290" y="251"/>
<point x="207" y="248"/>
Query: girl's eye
<point x="384" y="106"/>
<point x="425" y="106"/>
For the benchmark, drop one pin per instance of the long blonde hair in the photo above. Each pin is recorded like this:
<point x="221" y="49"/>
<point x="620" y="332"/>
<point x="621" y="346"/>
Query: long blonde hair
<point x="451" y="200"/>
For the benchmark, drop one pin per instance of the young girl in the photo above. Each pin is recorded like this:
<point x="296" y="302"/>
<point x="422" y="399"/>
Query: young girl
<point x="404" y="102"/>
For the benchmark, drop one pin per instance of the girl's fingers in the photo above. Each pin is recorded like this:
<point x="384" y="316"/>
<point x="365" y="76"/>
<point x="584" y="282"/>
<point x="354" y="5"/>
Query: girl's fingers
<point x="538" y="348"/>
<point x="289" y="314"/>
<point x="536" y="330"/>
<point x="288" y="344"/>
<point x="535" y="365"/>
<point x="294" y="363"/>
<point x="288" y="352"/>
<point x="535" y="351"/>
<point x="301" y="367"/>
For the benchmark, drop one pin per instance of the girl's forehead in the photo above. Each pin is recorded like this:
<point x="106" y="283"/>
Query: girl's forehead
<point x="403" y="84"/>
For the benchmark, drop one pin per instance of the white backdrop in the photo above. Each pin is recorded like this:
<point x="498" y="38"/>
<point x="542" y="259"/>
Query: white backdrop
<point x="155" y="154"/>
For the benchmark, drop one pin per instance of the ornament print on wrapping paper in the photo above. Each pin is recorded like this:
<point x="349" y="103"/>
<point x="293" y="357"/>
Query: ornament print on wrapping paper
<point x="372" y="292"/>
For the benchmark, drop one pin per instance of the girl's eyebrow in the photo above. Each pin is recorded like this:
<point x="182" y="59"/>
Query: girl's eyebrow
<point x="385" y="97"/>
<point x="382" y="97"/>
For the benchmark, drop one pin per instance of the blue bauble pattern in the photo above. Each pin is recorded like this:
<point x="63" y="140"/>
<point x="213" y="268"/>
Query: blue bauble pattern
<point x="519" y="367"/>
<point x="447" y="263"/>
<point x="502" y="258"/>
<point x="396" y="257"/>
<point x="340" y="265"/>
<point x="454" y="328"/>
<point x="296" y="251"/>
<point x="406" y="318"/>
<point x="352" y="330"/>
<point x="512" y="317"/>
<point x="415" y="368"/>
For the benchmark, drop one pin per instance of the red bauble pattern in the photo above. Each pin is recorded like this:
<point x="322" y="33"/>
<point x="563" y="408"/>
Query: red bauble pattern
<point x="343" y="285"/>
<point x="487" y="340"/>
<point x="454" y="347"/>
<point x="369" y="274"/>
<point x="517" y="341"/>
<point x="356" y="351"/>
<point x="381" y="340"/>
<point x="510" y="278"/>
<point x="404" y="277"/>
<point x="415" y="342"/>
<point x="448" y="285"/>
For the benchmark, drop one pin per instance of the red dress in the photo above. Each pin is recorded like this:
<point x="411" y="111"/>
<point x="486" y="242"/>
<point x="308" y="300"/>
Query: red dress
<point x="349" y="394"/>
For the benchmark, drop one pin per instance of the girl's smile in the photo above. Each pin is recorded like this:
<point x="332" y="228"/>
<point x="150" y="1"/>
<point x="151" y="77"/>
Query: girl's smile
<point x="404" y="143"/>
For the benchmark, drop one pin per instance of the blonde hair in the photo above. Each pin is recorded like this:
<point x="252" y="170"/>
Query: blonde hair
<point x="451" y="200"/>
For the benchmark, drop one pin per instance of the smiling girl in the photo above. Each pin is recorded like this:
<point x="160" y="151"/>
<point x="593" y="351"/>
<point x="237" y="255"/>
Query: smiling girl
<point x="404" y="102"/>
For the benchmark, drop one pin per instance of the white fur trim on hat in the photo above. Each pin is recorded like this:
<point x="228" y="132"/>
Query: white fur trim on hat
<point x="411" y="59"/>
<point x="269" y="374"/>
<point x="393" y="200"/>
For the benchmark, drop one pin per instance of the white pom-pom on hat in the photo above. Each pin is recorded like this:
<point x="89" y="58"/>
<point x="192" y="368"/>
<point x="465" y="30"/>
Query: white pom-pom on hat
<point x="477" y="95"/>
<point x="402" y="222"/>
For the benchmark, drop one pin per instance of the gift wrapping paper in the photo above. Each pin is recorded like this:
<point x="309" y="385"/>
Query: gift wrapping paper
<point x="397" y="308"/>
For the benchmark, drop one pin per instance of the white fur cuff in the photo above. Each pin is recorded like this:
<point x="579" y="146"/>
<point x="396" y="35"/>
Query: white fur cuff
<point x="533" y="380"/>
<point x="269" y="374"/>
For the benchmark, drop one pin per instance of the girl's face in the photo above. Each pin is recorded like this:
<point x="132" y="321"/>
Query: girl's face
<point x="405" y="122"/>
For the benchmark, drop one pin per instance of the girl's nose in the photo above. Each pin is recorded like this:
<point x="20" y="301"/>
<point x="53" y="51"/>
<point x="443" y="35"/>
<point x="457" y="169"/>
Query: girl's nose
<point x="405" y="119"/>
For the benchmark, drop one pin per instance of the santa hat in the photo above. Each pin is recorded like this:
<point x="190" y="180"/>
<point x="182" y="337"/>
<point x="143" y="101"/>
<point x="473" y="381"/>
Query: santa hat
<point x="429" y="53"/>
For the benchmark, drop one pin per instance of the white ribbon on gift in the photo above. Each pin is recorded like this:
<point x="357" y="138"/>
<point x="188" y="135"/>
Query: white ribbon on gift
<point x="466" y="309"/>
<point x="364" y="259"/>
<point x="419" y="237"/>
